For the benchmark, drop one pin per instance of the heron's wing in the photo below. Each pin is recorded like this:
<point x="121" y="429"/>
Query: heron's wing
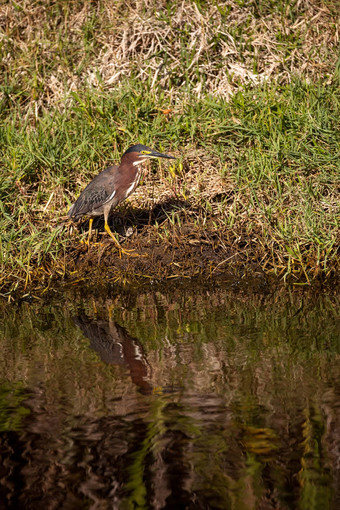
<point x="99" y="191"/>
<point x="89" y="201"/>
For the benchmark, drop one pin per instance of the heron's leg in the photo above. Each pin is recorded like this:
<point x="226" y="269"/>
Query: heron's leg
<point x="108" y="230"/>
<point x="121" y="250"/>
<point x="90" y="232"/>
<point x="87" y="242"/>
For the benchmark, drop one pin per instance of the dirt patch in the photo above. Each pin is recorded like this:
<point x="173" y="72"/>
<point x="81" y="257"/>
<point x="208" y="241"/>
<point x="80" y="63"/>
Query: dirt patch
<point x="184" y="252"/>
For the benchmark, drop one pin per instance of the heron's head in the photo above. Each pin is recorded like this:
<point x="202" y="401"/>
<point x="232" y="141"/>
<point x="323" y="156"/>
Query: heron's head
<point x="140" y="153"/>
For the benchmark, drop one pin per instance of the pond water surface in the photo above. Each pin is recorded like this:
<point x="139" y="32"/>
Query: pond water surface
<point x="191" y="398"/>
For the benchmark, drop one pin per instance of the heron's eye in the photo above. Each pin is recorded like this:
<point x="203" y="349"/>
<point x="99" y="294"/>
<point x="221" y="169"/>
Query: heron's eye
<point x="145" y="152"/>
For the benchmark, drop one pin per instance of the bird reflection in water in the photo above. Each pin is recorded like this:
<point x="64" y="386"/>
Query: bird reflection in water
<point x="115" y="346"/>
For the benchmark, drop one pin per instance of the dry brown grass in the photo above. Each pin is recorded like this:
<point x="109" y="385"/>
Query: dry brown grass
<point x="58" y="47"/>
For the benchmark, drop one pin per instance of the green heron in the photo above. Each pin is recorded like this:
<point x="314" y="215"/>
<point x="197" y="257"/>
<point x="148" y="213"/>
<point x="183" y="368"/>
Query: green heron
<point x="112" y="186"/>
<point x="115" y="346"/>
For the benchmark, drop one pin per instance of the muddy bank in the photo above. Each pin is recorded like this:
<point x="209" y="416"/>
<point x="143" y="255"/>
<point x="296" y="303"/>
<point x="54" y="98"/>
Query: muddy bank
<point x="169" y="238"/>
<point x="186" y="252"/>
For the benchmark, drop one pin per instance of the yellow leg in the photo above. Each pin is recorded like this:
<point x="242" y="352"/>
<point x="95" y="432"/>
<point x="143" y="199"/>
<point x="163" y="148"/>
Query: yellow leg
<point x="108" y="230"/>
<point x="87" y="242"/>
<point x="121" y="250"/>
<point x="90" y="232"/>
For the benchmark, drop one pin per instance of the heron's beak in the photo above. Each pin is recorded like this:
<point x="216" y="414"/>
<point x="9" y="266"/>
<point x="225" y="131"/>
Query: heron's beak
<point x="155" y="154"/>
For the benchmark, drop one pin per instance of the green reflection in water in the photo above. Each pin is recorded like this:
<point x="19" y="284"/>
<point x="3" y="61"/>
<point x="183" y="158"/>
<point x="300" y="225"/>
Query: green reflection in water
<point x="210" y="398"/>
<point x="314" y="478"/>
<point x="11" y="409"/>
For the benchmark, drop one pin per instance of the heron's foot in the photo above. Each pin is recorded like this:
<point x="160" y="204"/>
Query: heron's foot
<point x="157" y="390"/>
<point x="88" y="243"/>
<point x="129" y="253"/>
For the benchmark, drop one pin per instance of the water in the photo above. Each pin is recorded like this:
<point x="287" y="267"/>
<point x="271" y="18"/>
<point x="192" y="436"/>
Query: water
<point x="186" y="398"/>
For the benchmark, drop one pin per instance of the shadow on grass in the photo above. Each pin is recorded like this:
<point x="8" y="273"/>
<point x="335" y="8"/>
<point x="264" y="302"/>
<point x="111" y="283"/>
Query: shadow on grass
<point x="121" y="220"/>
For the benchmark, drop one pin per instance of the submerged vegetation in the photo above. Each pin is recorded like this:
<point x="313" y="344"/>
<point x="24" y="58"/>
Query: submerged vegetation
<point x="246" y="97"/>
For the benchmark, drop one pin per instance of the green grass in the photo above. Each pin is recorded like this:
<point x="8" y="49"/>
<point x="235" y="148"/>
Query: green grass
<point x="258" y="170"/>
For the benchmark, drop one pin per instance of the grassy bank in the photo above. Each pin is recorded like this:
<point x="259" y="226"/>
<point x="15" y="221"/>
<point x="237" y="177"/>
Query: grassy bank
<point x="256" y="184"/>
